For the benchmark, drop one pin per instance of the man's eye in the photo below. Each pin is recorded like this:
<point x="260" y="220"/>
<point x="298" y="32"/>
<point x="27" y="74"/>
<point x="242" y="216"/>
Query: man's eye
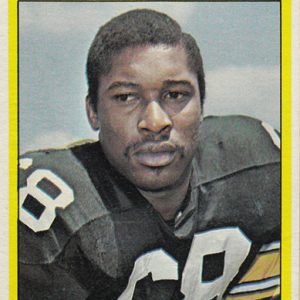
<point x="125" y="97"/>
<point x="175" y="96"/>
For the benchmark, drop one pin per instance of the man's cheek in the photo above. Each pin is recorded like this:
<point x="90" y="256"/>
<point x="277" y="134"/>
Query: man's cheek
<point x="189" y="117"/>
<point x="187" y="126"/>
<point x="111" y="127"/>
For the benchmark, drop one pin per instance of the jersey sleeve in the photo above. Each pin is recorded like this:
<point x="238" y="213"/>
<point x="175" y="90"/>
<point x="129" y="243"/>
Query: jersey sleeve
<point x="56" y="201"/>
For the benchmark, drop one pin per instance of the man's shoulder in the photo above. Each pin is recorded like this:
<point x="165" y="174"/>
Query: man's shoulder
<point x="239" y="170"/>
<point x="230" y="144"/>
<point x="57" y="198"/>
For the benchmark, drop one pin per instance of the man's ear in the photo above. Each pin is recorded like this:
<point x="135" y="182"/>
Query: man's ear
<point x="92" y="114"/>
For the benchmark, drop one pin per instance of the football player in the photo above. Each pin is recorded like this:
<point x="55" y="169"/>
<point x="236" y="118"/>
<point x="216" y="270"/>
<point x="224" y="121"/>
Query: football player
<point x="165" y="205"/>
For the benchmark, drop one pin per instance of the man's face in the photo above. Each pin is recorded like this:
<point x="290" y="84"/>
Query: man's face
<point x="149" y="114"/>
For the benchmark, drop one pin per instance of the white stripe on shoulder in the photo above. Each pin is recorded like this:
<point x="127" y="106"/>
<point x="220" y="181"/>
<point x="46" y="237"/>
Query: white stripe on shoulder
<point x="270" y="247"/>
<point x="256" y="286"/>
<point x="274" y="136"/>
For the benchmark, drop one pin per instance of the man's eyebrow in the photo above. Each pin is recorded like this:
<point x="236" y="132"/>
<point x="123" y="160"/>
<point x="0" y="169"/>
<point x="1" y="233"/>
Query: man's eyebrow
<point x="170" y="83"/>
<point x="124" y="84"/>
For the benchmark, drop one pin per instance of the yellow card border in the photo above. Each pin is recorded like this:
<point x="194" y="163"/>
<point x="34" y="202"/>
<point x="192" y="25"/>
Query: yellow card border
<point x="286" y="151"/>
<point x="13" y="145"/>
<point x="286" y="110"/>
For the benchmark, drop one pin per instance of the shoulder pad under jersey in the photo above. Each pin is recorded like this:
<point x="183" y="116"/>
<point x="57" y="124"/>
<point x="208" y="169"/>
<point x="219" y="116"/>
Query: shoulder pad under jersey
<point x="232" y="143"/>
<point x="57" y="198"/>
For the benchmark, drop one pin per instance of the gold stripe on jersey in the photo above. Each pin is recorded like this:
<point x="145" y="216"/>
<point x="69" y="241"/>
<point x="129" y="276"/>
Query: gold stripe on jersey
<point x="255" y="295"/>
<point x="261" y="280"/>
<point x="266" y="265"/>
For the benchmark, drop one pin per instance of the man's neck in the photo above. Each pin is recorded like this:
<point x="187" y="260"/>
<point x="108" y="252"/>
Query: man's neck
<point x="168" y="202"/>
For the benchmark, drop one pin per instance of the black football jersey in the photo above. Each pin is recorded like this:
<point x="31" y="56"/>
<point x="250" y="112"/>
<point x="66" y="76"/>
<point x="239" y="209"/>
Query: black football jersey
<point x="85" y="232"/>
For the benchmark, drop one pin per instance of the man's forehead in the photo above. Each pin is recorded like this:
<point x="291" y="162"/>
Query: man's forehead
<point x="149" y="63"/>
<point x="149" y="52"/>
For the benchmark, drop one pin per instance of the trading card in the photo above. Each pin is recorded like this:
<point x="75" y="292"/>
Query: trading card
<point x="151" y="143"/>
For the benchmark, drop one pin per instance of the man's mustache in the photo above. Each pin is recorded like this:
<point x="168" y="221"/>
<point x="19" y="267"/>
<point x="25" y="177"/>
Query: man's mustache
<point x="153" y="146"/>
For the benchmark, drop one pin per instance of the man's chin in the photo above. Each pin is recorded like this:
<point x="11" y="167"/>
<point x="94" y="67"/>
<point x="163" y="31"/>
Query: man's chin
<point x="158" y="182"/>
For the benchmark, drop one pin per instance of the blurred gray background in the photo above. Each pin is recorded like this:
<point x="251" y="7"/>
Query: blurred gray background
<point x="240" y="45"/>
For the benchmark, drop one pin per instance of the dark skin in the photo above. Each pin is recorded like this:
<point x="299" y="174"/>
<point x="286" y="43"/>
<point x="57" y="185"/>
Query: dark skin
<point x="149" y="113"/>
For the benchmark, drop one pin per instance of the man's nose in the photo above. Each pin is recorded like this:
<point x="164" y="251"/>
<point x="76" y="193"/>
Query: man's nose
<point x="154" y="119"/>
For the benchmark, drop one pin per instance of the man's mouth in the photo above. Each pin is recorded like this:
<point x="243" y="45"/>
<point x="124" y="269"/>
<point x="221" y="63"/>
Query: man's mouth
<point x="155" y="155"/>
<point x="155" y="159"/>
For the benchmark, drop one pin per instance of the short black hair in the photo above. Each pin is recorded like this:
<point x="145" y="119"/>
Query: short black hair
<point x="137" y="28"/>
